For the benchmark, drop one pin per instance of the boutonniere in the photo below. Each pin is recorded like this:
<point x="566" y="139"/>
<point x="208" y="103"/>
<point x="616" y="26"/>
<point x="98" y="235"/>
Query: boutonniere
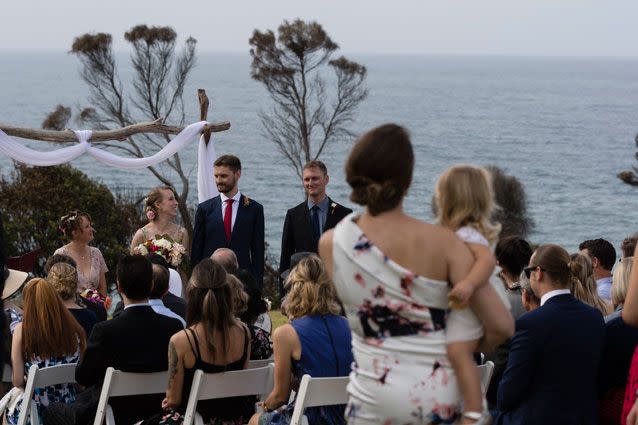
<point x="333" y="206"/>
<point x="246" y="201"/>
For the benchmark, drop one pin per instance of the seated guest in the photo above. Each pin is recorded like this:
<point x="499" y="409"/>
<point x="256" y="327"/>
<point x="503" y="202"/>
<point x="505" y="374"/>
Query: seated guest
<point x="170" y="301"/>
<point x="47" y="336"/>
<point x="238" y="297"/>
<point x="64" y="279"/>
<point x="628" y="245"/>
<point x="512" y="255"/>
<point x="12" y="297"/>
<point x="215" y="341"/>
<point x="256" y="318"/>
<point x="584" y="286"/>
<point x="226" y="258"/>
<point x="603" y="256"/>
<point x="620" y="282"/>
<point x="528" y="298"/>
<point x="96" y="307"/>
<point x="317" y="341"/>
<point x="159" y="291"/>
<point x="135" y="341"/>
<point x="555" y="353"/>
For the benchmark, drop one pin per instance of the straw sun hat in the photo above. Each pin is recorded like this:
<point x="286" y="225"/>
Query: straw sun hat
<point x="13" y="282"/>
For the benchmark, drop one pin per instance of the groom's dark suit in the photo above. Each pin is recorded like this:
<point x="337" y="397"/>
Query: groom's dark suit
<point x="247" y="237"/>
<point x="298" y="235"/>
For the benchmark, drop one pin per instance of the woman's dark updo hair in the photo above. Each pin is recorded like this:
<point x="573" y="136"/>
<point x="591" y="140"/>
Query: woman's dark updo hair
<point x="71" y="222"/>
<point x="379" y="168"/>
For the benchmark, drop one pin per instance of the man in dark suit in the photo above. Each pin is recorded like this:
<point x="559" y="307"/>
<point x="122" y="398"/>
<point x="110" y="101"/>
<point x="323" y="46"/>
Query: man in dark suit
<point x="135" y="341"/>
<point x="230" y="220"/>
<point x="305" y="223"/>
<point x="552" y="369"/>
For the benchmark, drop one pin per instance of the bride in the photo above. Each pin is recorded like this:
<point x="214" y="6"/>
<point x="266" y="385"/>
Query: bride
<point x="161" y="209"/>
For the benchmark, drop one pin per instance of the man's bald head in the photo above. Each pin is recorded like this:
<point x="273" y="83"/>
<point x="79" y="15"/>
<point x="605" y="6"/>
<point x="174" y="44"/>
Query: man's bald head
<point x="227" y="259"/>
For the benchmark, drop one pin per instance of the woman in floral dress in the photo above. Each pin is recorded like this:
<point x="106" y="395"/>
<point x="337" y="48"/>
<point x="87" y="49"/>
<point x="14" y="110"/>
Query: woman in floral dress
<point x="47" y="336"/>
<point x="393" y="273"/>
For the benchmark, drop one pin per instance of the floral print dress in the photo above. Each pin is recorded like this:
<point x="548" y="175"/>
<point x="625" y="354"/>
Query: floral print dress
<point x="401" y="374"/>
<point x="62" y="393"/>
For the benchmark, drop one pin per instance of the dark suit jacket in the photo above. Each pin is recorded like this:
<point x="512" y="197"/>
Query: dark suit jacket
<point x="247" y="239"/>
<point x="552" y="368"/>
<point x="298" y="235"/>
<point x="620" y="343"/>
<point x="135" y="341"/>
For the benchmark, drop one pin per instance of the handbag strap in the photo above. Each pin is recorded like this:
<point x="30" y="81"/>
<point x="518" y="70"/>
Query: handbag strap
<point x="332" y="343"/>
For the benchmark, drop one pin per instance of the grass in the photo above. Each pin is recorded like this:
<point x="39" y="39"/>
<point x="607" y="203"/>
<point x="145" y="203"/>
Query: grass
<point x="277" y="318"/>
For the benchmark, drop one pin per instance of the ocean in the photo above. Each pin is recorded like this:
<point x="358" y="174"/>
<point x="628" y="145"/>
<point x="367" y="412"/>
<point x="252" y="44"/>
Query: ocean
<point x="563" y="126"/>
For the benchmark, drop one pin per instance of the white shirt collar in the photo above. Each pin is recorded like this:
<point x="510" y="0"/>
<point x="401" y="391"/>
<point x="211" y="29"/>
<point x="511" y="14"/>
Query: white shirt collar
<point x="553" y="293"/>
<point x="236" y="198"/>
<point x="155" y="302"/>
<point x="136" y="305"/>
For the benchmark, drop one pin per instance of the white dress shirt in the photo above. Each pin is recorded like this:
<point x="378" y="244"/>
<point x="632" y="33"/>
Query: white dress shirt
<point x="235" y="207"/>
<point x="159" y="308"/>
<point x="553" y="293"/>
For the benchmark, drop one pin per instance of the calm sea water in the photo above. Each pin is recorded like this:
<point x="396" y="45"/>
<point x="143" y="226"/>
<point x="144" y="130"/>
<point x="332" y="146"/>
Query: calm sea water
<point x="564" y="127"/>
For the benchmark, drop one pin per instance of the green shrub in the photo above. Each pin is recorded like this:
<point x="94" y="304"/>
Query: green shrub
<point x="34" y="199"/>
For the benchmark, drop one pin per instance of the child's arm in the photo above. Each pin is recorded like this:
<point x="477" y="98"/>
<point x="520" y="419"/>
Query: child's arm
<point x="479" y="274"/>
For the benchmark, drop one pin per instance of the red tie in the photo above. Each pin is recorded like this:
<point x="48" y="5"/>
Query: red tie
<point x="228" y="218"/>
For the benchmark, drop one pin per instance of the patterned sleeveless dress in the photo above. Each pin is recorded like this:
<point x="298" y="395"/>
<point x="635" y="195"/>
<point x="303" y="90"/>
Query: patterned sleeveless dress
<point x="398" y="320"/>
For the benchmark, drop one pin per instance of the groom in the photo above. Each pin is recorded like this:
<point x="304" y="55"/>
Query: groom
<point x="230" y="220"/>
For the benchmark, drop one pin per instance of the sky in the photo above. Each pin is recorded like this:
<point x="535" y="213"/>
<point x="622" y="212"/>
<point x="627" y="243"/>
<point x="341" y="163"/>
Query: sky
<point x="482" y="27"/>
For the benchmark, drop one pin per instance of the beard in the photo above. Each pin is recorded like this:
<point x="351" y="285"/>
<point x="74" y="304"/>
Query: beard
<point x="226" y="187"/>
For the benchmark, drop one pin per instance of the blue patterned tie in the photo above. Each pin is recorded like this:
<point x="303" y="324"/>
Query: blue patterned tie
<point x="314" y="218"/>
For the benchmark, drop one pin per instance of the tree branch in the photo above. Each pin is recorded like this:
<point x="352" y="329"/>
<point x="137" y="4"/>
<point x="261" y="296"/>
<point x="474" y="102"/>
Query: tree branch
<point x="104" y="135"/>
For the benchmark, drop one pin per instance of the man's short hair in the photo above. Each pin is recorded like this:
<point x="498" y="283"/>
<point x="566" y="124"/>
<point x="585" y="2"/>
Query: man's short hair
<point x="226" y="258"/>
<point x="601" y="249"/>
<point x="160" y="281"/>
<point x="135" y="276"/>
<point x="317" y="164"/>
<point x="230" y="161"/>
<point x="628" y="245"/>
<point x="513" y="254"/>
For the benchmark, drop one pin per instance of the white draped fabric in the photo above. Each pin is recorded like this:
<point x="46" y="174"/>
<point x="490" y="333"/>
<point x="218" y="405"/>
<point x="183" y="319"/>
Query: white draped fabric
<point x="205" y="176"/>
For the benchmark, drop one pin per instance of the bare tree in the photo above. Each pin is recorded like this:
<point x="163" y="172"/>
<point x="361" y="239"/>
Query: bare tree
<point x="293" y="66"/>
<point x="156" y="92"/>
<point x="512" y="210"/>
<point x="631" y="177"/>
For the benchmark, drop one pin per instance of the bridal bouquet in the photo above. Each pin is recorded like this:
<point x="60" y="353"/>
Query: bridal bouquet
<point x="165" y="246"/>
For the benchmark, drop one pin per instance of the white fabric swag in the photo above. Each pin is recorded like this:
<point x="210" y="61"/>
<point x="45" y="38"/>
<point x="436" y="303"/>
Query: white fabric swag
<point x="206" y="155"/>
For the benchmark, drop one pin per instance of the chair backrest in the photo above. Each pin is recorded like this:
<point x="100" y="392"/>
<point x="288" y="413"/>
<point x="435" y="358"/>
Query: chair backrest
<point x="39" y="378"/>
<point x="254" y="364"/>
<point x="118" y="383"/>
<point x="206" y="386"/>
<point x="319" y="392"/>
<point x="485" y="372"/>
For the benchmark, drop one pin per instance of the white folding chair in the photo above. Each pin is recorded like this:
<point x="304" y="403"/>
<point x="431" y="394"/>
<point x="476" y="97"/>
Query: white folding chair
<point x="118" y="383"/>
<point x="40" y="378"/>
<point x="485" y="372"/>
<point x="236" y="383"/>
<point x="254" y="364"/>
<point x="318" y="392"/>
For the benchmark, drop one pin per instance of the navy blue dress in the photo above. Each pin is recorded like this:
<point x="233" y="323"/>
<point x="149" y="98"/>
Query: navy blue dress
<point x="326" y="350"/>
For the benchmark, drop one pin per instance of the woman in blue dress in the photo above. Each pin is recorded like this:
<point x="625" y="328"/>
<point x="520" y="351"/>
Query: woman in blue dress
<point x="317" y="342"/>
<point x="48" y="335"/>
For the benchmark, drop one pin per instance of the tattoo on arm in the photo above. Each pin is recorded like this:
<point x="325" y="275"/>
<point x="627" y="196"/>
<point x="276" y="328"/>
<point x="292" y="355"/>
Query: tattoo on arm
<point x="172" y="362"/>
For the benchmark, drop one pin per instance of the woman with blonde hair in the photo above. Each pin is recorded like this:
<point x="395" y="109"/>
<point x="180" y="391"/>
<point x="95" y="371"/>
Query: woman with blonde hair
<point x="160" y="208"/>
<point x="317" y="341"/>
<point x="583" y="286"/>
<point x="64" y="279"/>
<point x="619" y="286"/>
<point x="47" y="336"/>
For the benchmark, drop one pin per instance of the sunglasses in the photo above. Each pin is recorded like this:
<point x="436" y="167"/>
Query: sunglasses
<point x="528" y="270"/>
